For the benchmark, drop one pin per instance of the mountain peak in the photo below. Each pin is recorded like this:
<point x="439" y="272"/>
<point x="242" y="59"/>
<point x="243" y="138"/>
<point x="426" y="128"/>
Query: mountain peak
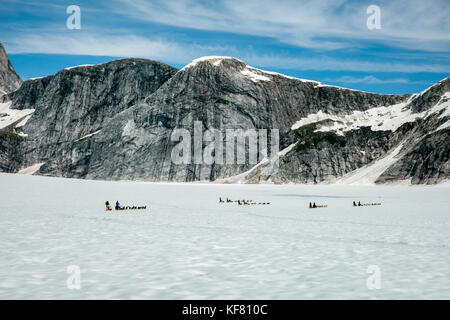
<point x="212" y="60"/>
<point x="9" y="80"/>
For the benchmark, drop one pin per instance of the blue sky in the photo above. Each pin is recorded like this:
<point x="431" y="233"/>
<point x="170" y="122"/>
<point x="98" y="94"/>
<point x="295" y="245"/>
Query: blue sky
<point x="323" y="40"/>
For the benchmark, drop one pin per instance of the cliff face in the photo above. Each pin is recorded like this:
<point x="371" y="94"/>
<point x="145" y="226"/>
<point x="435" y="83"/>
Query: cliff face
<point x="381" y="145"/>
<point x="9" y="80"/>
<point x="78" y="101"/>
<point x="115" y="121"/>
<point x="220" y="93"/>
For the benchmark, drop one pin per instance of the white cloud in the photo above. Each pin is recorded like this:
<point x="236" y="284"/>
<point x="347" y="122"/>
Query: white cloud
<point x="322" y="63"/>
<point x="323" y="24"/>
<point x="109" y="45"/>
<point x="181" y="53"/>
<point x="320" y="24"/>
<point x="372" y="80"/>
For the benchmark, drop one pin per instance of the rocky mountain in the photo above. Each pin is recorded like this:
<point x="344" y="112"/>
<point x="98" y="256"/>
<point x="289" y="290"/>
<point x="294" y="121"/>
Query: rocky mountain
<point x="63" y="108"/>
<point x="9" y="80"/>
<point x="117" y="121"/>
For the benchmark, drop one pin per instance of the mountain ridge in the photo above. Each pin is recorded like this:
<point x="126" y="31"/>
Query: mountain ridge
<point x="9" y="79"/>
<point x="116" y="120"/>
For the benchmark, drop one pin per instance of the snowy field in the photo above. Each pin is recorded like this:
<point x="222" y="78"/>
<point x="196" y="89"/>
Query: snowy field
<point x="188" y="246"/>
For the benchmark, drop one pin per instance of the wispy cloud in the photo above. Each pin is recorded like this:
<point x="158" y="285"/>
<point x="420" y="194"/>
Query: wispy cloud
<point x="323" y="63"/>
<point x="315" y="38"/>
<point x="372" y="80"/>
<point x="110" y="45"/>
<point x="181" y="53"/>
<point x="323" y="24"/>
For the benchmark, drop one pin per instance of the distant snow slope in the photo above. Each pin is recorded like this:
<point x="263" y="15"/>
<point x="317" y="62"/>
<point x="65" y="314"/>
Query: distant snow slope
<point x="9" y="116"/>
<point x="187" y="245"/>
<point x="368" y="174"/>
<point x="266" y="165"/>
<point x="255" y="77"/>
<point x="81" y="65"/>
<point x="31" y="169"/>
<point x="380" y="118"/>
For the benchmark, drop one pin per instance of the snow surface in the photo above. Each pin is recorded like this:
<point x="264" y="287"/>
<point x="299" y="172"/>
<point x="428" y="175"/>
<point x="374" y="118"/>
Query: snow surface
<point x="443" y="104"/>
<point x="217" y="60"/>
<point x="13" y="115"/>
<point x="322" y="85"/>
<point x="285" y="76"/>
<point x="188" y="246"/>
<point x="31" y="169"/>
<point x="81" y="65"/>
<point x="380" y="118"/>
<point x="266" y="171"/>
<point x="90" y="135"/>
<point x="444" y="126"/>
<point x="368" y="174"/>
<point x="255" y="77"/>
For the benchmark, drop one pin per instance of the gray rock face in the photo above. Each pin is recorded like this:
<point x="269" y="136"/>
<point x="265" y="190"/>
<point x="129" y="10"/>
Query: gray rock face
<point x="115" y="122"/>
<point x="76" y="102"/>
<point x="9" y="80"/>
<point x="424" y="156"/>
<point x="430" y="97"/>
<point x="334" y="156"/>
<point x="216" y="93"/>
<point x="427" y="162"/>
<point x="10" y="153"/>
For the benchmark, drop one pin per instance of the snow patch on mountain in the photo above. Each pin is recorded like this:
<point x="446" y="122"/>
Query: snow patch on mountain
<point x="252" y="72"/>
<point x="368" y="174"/>
<point x="432" y="86"/>
<point x="9" y="116"/>
<point x="267" y="168"/>
<point x="284" y="76"/>
<point x="81" y="65"/>
<point x="378" y="119"/>
<point x="443" y="104"/>
<point x="215" y="59"/>
<point x="255" y="77"/>
<point x="31" y="169"/>
<point x="88" y="135"/>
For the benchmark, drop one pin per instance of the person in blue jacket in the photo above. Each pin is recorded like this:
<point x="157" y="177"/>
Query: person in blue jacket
<point x="117" y="205"/>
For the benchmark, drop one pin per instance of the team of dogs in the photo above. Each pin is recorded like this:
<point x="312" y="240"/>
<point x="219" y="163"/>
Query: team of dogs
<point x="121" y="208"/>
<point x="244" y="202"/>
<point x="241" y="203"/>
<point x="311" y="205"/>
